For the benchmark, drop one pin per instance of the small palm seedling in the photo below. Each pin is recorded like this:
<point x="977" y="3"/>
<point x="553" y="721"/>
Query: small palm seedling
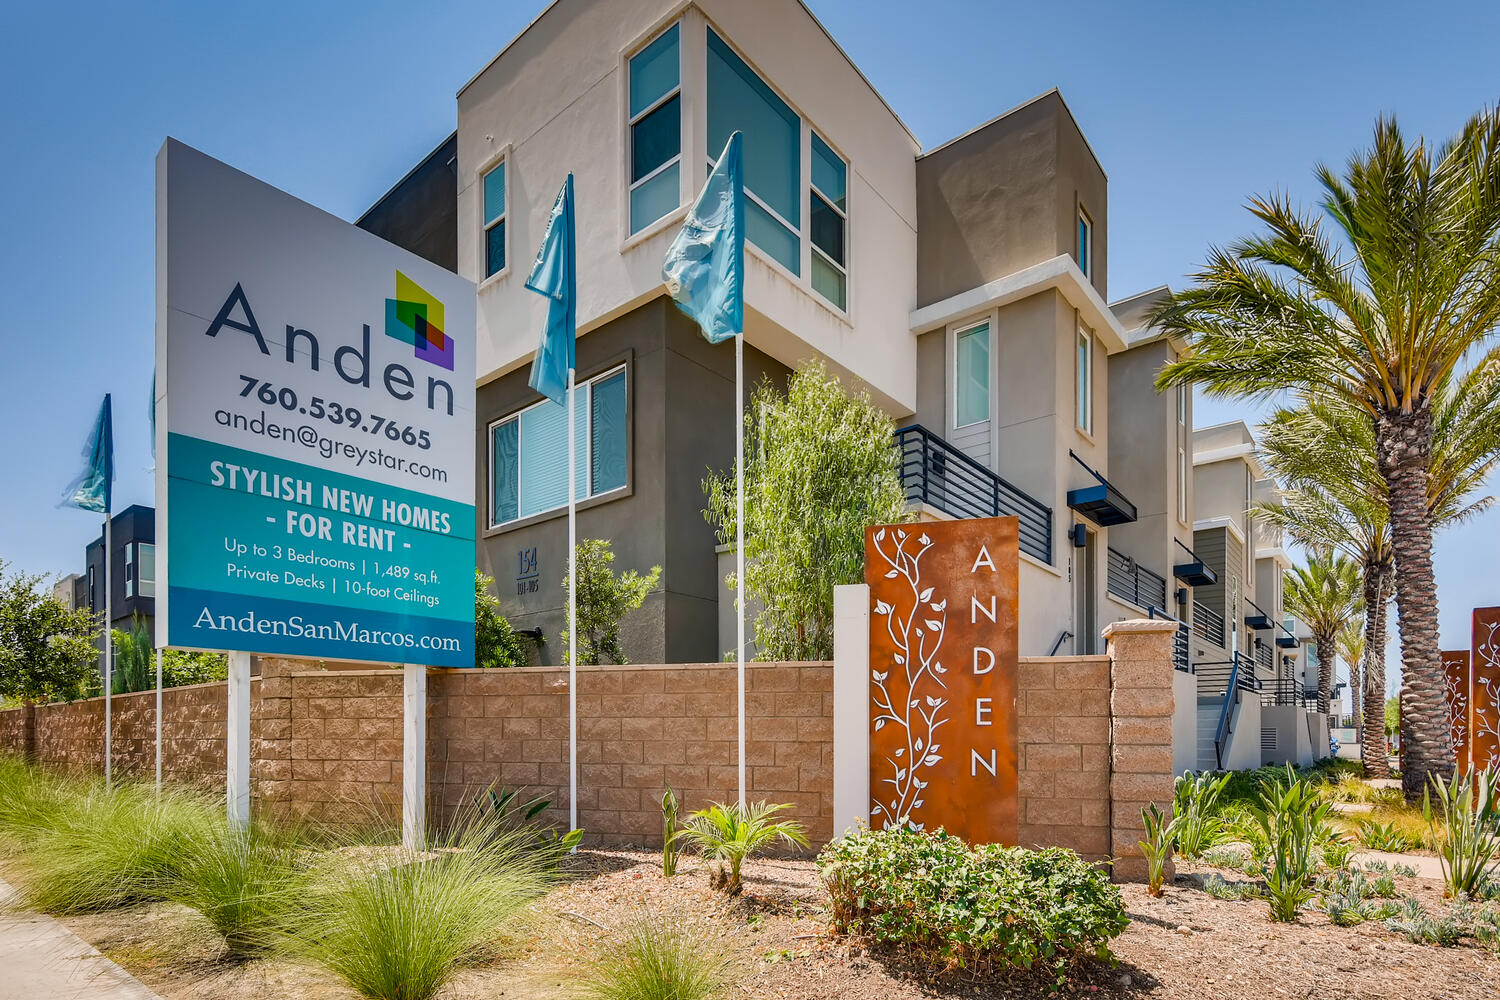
<point x="729" y="834"/>
<point x="655" y="959"/>
<point x="1195" y="810"/>
<point x="1157" y="847"/>
<point x="1471" y="814"/>
<point x="670" y="832"/>
<point x="1291" y="817"/>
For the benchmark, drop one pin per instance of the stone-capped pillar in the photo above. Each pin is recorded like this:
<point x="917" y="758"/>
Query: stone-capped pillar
<point x="1140" y="743"/>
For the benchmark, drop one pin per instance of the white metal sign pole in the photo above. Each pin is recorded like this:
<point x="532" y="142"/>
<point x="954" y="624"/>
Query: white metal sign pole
<point x="572" y="613"/>
<point x="414" y="756"/>
<point x="158" y="718"/>
<point x="237" y="743"/>
<point x="109" y="664"/>
<point x="739" y="544"/>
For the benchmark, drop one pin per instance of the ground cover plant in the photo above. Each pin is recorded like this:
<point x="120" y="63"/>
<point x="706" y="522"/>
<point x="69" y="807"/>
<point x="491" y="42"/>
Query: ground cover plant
<point x="932" y="896"/>
<point x="728" y="834"/>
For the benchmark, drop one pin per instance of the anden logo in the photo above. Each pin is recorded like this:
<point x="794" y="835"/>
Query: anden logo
<point x="413" y="317"/>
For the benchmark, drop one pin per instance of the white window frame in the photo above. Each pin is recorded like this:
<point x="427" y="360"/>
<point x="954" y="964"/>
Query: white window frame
<point x="1083" y="385"/>
<point x="1086" y="243"/>
<point x="130" y="567"/>
<point x="501" y="157"/>
<point x="843" y="214"/>
<point x="139" y="581"/>
<point x="956" y="332"/>
<point x="1182" y="464"/>
<point x="585" y="492"/>
<point x="631" y="120"/>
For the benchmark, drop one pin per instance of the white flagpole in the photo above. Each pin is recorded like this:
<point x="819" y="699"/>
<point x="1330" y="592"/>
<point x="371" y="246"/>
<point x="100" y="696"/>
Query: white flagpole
<point x="739" y="545"/>
<point x="109" y="644"/>
<point x="572" y="610"/>
<point x="158" y="719"/>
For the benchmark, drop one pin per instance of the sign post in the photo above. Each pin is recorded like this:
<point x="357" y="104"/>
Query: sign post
<point x="414" y="756"/>
<point x="315" y="443"/>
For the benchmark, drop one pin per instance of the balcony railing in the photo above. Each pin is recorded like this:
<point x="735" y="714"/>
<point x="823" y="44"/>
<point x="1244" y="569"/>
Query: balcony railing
<point x="934" y="472"/>
<point x="1130" y="581"/>
<point x="1263" y="658"/>
<point x="1209" y="624"/>
<point x="1180" y="659"/>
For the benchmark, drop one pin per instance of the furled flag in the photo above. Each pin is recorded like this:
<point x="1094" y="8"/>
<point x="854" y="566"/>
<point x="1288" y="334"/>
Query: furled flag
<point x="555" y="275"/>
<point x="92" y="487"/>
<point x="705" y="266"/>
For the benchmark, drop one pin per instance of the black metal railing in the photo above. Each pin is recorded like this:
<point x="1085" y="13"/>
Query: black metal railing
<point x="1285" y="690"/>
<point x="936" y="473"/>
<point x="1226" y="679"/>
<point x="1263" y="656"/>
<point x="1180" y="657"/>
<point x="1208" y="623"/>
<point x="1130" y="581"/>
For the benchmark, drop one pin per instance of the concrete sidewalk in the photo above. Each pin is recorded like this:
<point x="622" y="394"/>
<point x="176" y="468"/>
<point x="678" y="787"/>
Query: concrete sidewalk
<point x="40" y="959"/>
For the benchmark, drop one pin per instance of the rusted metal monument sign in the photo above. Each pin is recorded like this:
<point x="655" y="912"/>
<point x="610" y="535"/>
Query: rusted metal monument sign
<point x="943" y="676"/>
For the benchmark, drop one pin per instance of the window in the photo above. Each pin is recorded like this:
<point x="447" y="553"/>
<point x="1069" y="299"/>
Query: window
<point x="494" y="219"/>
<point x="971" y="398"/>
<point x="1085" y="244"/>
<point x="828" y="221"/>
<point x="1085" y="401"/>
<point x="1182" y="468"/>
<point x="529" y="451"/>
<point x="146" y="569"/>
<point x="130" y="570"/>
<point x="655" y="119"/>
<point x="739" y="99"/>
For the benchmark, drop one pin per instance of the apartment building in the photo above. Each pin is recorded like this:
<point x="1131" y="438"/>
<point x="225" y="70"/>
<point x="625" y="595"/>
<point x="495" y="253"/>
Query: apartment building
<point x="964" y="286"/>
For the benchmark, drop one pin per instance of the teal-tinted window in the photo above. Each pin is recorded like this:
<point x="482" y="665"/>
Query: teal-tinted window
<point x="828" y="223"/>
<point x="655" y="71"/>
<point x="829" y="175"/>
<point x="829" y="282"/>
<point x="529" y="451"/>
<point x="494" y="220"/>
<point x="739" y="100"/>
<point x="972" y="376"/>
<point x="1085" y="245"/>
<point x="655" y="121"/>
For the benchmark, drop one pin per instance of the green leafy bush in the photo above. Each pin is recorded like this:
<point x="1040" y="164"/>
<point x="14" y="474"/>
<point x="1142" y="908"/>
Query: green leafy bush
<point x="1195" y="810"/>
<point x="934" y="896"/>
<point x="1292" y="818"/>
<point x="1470" y="812"/>
<point x="1385" y="837"/>
<point x="729" y="834"/>
<point x="496" y="642"/>
<point x="655" y="959"/>
<point x="603" y="601"/>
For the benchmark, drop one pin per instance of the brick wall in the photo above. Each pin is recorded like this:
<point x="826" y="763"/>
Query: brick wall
<point x="1062" y="745"/>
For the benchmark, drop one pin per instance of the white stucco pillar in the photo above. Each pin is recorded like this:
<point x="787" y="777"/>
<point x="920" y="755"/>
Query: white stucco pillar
<point x="414" y="756"/>
<point x="851" y="707"/>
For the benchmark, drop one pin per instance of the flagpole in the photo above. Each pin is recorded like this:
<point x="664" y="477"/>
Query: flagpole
<point x="158" y="719"/>
<point x="739" y="545"/>
<point x="109" y="643"/>
<point x="572" y="610"/>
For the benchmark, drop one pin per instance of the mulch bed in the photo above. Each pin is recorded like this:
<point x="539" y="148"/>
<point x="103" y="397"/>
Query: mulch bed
<point x="1184" y="945"/>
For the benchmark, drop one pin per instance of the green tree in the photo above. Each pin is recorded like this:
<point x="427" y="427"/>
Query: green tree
<point x="1324" y="594"/>
<point x="180" y="667"/>
<point x="47" y="651"/>
<point x="135" y="662"/>
<point x="1351" y="643"/>
<point x="1374" y="315"/>
<point x="821" y="466"/>
<point x="496" y="643"/>
<point x="603" y="600"/>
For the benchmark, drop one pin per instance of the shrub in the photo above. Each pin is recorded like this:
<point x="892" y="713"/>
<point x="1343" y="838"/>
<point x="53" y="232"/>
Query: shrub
<point x="1336" y="852"/>
<point x="950" y="904"/>
<point x="1471" y="815"/>
<point x="655" y="959"/>
<point x="1195" y="810"/>
<point x="730" y="834"/>
<point x="603" y="600"/>
<point x="1385" y="837"/>
<point x="1157" y="847"/>
<point x="102" y="849"/>
<point x="1291" y="817"/>
<point x="394" y="925"/>
<point x="501" y="812"/>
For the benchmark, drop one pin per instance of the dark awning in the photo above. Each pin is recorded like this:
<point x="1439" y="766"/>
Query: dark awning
<point x="1287" y="641"/>
<point x="1100" y="503"/>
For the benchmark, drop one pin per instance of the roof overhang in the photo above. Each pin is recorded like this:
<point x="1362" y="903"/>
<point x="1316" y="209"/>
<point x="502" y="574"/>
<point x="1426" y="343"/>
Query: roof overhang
<point x="1287" y="641"/>
<point x="1060" y="273"/>
<point x="1277" y="553"/>
<point x="1259" y="622"/>
<point x="1195" y="573"/>
<point x="1208" y="524"/>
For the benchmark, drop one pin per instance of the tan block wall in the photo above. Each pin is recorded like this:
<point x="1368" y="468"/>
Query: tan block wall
<point x="1141" y="702"/>
<point x="1062" y="742"/>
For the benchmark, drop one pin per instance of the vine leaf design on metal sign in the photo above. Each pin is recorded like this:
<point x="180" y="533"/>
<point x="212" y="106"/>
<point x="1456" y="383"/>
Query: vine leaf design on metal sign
<point x="1485" y="740"/>
<point x="909" y="692"/>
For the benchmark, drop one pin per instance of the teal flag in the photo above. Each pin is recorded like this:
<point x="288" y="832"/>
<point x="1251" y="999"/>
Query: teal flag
<point x="705" y="266"/>
<point x="92" y="487"/>
<point x="555" y="275"/>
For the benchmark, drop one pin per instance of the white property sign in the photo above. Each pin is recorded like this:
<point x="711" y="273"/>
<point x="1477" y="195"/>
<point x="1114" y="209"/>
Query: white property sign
<point x="315" y="430"/>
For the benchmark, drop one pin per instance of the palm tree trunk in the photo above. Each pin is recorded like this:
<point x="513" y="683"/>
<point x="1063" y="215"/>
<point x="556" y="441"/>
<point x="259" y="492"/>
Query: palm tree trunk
<point x="1327" y="661"/>
<point x="1403" y="450"/>
<point x="1356" y="696"/>
<point x="1372" y="732"/>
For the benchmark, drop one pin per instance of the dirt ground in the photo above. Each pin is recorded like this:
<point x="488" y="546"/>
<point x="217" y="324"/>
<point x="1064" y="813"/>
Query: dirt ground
<point x="1184" y="945"/>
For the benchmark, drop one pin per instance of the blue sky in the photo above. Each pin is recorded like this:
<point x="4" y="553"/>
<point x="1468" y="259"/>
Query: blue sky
<point x="1191" y="108"/>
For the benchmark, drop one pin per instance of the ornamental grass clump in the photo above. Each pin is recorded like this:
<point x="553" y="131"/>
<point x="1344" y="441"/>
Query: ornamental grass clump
<point x="729" y="834"/>
<point x="395" y="924"/>
<point x="651" y="958"/>
<point x="1293" y="820"/>
<point x="98" y="849"/>
<point x="931" y="895"/>
<point x="1470" y="814"/>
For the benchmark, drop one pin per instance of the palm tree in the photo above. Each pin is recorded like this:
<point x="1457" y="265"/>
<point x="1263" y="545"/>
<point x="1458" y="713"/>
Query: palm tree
<point x="1324" y="594"/>
<point x="1351" y="643"/>
<point x="1377" y="321"/>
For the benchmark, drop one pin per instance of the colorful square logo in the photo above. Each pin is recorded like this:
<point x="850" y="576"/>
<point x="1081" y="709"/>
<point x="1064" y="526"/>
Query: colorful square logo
<point x="415" y="317"/>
